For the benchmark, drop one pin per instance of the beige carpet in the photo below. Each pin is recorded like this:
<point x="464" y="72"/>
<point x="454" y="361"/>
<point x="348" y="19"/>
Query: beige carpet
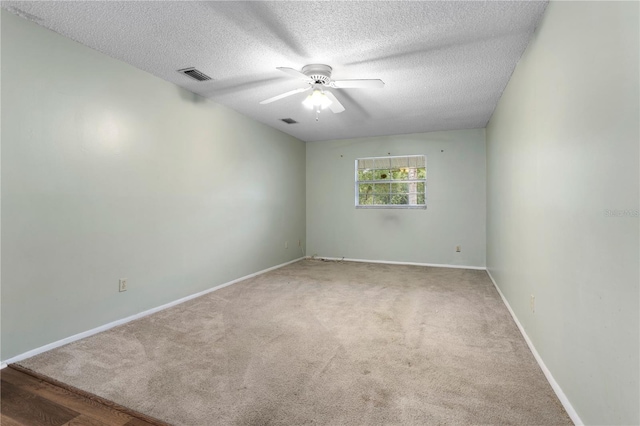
<point x="322" y="343"/>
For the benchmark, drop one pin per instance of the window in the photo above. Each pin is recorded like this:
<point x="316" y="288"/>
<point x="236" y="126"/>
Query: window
<point x="391" y="182"/>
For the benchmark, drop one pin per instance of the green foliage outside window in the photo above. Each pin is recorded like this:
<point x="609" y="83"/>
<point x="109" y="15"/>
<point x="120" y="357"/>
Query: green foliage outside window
<point x="393" y="186"/>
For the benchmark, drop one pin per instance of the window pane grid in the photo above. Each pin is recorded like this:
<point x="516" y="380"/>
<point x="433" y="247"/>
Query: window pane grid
<point x="413" y="161"/>
<point x="391" y="181"/>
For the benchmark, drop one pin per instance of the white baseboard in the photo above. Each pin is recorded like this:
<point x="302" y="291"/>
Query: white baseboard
<point x="556" y="387"/>
<point x="116" y="323"/>
<point x="392" y="262"/>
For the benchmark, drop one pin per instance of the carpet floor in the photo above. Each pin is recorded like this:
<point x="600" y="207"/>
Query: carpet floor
<point x="321" y="343"/>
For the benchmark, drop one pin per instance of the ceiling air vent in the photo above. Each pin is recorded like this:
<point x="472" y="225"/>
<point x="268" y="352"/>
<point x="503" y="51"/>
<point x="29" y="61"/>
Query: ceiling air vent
<point x="195" y="74"/>
<point x="288" y="120"/>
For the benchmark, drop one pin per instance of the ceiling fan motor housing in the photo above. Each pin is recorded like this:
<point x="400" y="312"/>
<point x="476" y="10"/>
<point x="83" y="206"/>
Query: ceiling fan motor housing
<point x="318" y="73"/>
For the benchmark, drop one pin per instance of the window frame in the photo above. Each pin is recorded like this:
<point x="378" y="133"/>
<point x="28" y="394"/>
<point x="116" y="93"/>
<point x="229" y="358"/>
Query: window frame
<point x="390" y="206"/>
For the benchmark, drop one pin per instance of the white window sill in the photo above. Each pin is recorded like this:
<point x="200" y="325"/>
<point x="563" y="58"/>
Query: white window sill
<point x="393" y="207"/>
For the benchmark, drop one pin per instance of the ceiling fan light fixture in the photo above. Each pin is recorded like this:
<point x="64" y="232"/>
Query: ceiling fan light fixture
<point x="317" y="99"/>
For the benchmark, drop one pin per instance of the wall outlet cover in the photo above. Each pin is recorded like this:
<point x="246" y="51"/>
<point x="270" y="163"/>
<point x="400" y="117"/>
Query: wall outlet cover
<point x="532" y="303"/>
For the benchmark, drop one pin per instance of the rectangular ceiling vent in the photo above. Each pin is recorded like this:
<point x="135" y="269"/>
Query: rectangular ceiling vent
<point x="195" y="74"/>
<point x="288" y="120"/>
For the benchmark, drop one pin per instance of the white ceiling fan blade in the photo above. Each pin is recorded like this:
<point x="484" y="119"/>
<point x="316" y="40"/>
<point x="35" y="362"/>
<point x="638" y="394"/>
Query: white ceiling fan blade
<point x="335" y="107"/>
<point x="284" y="95"/>
<point x="358" y="84"/>
<point x="294" y="73"/>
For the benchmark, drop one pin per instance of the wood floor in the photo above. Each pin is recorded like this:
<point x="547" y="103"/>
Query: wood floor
<point x="26" y="399"/>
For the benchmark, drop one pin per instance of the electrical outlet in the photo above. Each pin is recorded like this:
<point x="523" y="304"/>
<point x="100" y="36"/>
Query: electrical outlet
<point x="458" y="249"/>
<point x="286" y="244"/>
<point x="122" y="285"/>
<point x="532" y="303"/>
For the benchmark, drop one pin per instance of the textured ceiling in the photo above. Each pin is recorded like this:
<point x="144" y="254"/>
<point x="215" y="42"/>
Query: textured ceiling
<point x="445" y="64"/>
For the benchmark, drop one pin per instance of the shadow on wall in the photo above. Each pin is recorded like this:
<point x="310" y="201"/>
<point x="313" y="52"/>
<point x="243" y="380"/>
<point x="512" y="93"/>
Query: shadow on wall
<point x="190" y="96"/>
<point x="390" y="219"/>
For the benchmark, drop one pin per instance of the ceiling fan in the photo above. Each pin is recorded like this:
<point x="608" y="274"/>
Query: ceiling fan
<point x="318" y="77"/>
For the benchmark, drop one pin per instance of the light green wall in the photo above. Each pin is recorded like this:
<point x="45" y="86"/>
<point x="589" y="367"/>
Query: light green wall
<point x="455" y="213"/>
<point x="109" y="172"/>
<point x="562" y="149"/>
